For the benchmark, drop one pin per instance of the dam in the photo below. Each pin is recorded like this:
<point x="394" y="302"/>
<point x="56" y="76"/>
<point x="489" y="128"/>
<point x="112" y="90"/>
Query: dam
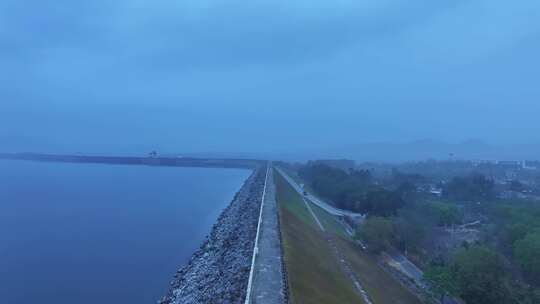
<point x="239" y="261"/>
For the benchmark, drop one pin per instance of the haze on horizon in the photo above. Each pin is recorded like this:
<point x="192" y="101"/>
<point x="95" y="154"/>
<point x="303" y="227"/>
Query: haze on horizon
<point x="266" y="76"/>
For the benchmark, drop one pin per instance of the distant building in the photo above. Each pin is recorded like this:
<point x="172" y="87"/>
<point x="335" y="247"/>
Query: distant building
<point x="510" y="175"/>
<point x="343" y="164"/>
<point x="510" y="163"/>
<point x="436" y="192"/>
<point x="478" y="162"/>
<point x="525" y="165"/>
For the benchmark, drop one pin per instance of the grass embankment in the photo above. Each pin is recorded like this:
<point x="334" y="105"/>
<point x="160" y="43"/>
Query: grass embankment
<point x="299" y="180"/>
<point x="381" y="287"/>
<point x="330" y="222"/>
<point x="314" y="273"/>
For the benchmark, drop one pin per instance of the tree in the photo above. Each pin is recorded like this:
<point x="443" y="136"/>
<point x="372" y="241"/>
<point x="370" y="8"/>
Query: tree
<point x="383" y="202"/>
<point x="441" y="281"/>
<point x="407" y="191"/>
<point x="353" y="190"/>
<point x="412" y="178"/>
<point x="517" y="186"/>
<point x="527" y="254"/>
<point x="448" y="214"/>
<point x="377" y="232"/>
<point x="408" y="229"/>
<point x="524" y="294"/>
<point x="480" y="276"/>
<point x="470" y="188"/>
<point x="517" y="221"/>
<point x="363" y="176"/>
<point x="475" y="274"/>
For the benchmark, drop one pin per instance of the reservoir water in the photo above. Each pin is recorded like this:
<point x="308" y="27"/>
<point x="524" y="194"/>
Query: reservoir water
<point x="86" y="233"/>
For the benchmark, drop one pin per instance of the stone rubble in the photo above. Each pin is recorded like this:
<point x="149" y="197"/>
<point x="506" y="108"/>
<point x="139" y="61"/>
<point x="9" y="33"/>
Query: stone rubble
<point x="218" y="271"/>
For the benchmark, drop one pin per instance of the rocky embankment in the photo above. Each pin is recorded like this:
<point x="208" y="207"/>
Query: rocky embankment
<point x="218" y="272"/>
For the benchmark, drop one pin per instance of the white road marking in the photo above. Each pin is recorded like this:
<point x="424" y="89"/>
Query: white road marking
<point x="314" y="216"/>
<point x="256" y="246"/>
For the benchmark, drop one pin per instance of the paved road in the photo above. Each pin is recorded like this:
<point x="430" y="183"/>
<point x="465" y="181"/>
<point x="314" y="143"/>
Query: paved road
<point x="315" y="200"/>
<point x="406" y="267"/>
<point x="313" y="214"/>
<point x="267" y="285"/>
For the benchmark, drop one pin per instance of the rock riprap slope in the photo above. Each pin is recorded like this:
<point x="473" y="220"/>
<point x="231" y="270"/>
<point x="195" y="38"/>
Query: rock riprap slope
<point x="218" y="271"/>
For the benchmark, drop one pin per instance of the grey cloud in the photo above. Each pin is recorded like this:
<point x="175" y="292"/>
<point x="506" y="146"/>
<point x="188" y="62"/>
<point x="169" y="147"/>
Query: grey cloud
<point x="265" y="75"/>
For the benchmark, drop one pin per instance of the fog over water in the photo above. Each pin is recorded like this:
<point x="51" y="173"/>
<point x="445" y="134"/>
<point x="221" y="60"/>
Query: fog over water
<point x="269" y="77"/>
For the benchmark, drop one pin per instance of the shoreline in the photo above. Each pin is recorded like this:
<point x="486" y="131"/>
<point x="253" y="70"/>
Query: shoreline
<point x="218" y="271"/>
<point x="137" y="161"/>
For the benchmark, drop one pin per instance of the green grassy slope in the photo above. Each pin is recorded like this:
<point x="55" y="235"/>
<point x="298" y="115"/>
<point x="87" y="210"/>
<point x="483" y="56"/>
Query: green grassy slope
<point x="314" y="275"/>
<point x="380" y="286"/>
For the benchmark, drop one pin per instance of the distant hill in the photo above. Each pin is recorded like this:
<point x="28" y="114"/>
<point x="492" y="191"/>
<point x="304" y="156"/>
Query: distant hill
<point x="430" y="149"/>
<point x="381" y="152"/>
<point x="411" y="151"/>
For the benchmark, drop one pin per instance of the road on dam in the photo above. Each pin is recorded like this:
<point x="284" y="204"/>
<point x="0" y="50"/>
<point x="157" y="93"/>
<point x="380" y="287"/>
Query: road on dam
<point x="315" y="200"/>
<point x="266" y="284"/>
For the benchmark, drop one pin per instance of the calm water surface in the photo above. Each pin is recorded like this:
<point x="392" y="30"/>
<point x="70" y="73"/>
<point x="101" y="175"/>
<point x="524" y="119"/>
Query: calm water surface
<point x="77" y="233"/>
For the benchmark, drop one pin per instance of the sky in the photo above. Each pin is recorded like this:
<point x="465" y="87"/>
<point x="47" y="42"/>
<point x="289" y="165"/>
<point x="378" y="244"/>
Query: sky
<point x="280" y="76"/>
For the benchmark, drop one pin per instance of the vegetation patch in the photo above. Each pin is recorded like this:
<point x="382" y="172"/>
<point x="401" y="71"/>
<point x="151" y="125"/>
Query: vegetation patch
<point x="330" y="222"/>
<point x="354" y="190"/>
<point x="381" y="287"/>
<point x="314" y="274"/>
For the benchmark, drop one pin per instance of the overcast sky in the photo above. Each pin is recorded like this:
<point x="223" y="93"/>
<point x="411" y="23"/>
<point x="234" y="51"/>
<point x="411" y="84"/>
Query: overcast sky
<point x="275" y="76"/>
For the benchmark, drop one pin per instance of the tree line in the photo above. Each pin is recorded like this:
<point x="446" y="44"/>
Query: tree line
<point x="354" y="190"/>
<point x="399" y="216"/>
